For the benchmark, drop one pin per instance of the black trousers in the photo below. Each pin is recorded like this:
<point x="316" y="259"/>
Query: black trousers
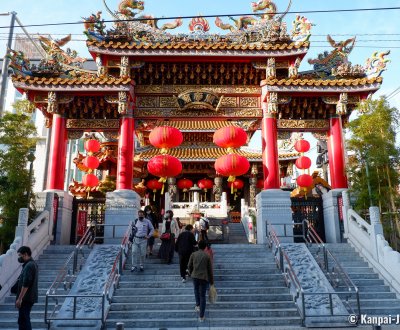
<point x="183" y="263"/>
<point x="24" y="317"/>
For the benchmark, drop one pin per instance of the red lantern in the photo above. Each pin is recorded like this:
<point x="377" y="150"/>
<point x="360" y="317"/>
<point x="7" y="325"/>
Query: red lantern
<point x="260" y="183"/>
<point x="232" y="165"/>
<point x="230" y="137"/>
<point x="205" y="184"/>
<point x="91" y="162"/>
<point x="165" y="137"/>
<point x="237" y="184"/>
<point x="304" y="180"/>
<point x="92" y="145"/>
<point x="302" y="145"/>
<point x="303" y="162"/>
<point x="90" y="180"/>
<point x="154" y="185"/>
<point x="164" y="166"/>
<point x="185" y="184"/>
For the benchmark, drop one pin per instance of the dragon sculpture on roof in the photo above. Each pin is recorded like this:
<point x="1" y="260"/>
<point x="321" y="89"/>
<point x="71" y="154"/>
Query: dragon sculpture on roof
<point x="331" y="60"/>
<point x="128" y="9"/>
<point x="268" y="9"/>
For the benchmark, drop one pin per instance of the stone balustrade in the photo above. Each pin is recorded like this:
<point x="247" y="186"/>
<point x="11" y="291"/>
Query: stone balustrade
<point x="37" y="236"/>
<point x="369" y="240"/>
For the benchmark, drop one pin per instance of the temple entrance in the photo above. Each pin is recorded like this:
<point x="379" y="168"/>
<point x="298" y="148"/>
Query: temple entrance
<point x="309" y="209"/>
<point x="87" y="213"/>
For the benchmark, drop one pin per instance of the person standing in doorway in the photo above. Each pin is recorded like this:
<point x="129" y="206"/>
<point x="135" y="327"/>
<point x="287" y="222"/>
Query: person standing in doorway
<point x="185" y="245"/>
<point x="27" y="292"/>
<point x="200" y="270"/>
<point x="141" y="229"/>
<point x="150" y="215"/>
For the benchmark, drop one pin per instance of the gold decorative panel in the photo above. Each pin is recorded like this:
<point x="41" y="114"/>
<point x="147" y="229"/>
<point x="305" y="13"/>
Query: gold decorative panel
<point x="147" y="101"/>
<point x="249" y="102"/>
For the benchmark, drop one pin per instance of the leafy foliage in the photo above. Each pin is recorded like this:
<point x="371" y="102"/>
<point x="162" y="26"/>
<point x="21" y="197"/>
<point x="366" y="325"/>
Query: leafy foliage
<point x="374" y="159"/>
<point x="17" y="139"/>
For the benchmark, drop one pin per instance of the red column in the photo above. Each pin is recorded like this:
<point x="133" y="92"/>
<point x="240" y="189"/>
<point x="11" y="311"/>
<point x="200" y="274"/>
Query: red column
<point x="270" y="152"/>
<point x="125" y="153"/>
<point x="58" y="148"/>
<point x="336" y="151"/>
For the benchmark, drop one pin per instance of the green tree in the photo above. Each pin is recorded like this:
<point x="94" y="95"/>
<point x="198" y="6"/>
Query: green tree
<point x="374" y="162"/>
<point x="17" y="139"/>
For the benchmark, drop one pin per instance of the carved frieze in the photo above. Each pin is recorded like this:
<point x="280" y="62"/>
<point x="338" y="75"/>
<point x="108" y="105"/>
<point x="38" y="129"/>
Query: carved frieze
<point x="334" y="99"/>
<point x="303" y="124"/>
<point x="216" y="89"/>
<point x="168" y="112"/>
<point x="52" y="106"/>
<point x="147" y="101"/>
<point x="92" y="124"/>
<point x="168" y="102"/>
<point x="229" y="102"/>
<point x="249" y="102"/>
<point x="75" y="135"/>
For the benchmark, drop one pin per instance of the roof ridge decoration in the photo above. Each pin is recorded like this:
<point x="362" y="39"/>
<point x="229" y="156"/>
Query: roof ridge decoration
<point x="263" y="27"/>
<point x="57" y="62"/>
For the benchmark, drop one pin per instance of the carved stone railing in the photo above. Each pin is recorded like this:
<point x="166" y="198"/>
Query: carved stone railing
<point x="37" y="236"/>
<point x="369" y="240"/>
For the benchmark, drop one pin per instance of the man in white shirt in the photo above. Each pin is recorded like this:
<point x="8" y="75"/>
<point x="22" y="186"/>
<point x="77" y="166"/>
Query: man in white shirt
<point x="142" y="230"/>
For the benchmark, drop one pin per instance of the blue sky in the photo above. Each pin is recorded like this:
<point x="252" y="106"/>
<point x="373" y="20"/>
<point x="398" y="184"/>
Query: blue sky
<point x="372" y="28"/>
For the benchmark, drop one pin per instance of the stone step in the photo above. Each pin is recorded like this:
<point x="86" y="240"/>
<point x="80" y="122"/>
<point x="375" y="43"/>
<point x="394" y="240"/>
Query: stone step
<point x="221" y="285"/>
<point x="188" y="289"/>
<point x="359" y="282"/>
<point x="11" y="323"/>
<point x="212" y="313"/>
<point x="159" y="323"/>
<point x="189" y="297"/>
<point x="365" y="276"/>
<point x="377" y="288"/>
<point x="381" y="303"/>
<point x="373" y="295"/>
<point x="380" y="311"/>
<point x="189" y="305"/>
<point x="219" y="277"/>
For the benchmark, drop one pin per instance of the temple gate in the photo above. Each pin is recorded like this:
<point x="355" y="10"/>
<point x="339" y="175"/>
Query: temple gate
<point x="197" y="82"/>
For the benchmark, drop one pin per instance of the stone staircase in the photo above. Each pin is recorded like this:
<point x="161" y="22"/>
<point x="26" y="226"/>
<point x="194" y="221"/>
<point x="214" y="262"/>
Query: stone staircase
<point x="236" y="233"/>
<point x="49" y="263"/>
<point x="251" y="293"/>
<point x="376" y="298"/>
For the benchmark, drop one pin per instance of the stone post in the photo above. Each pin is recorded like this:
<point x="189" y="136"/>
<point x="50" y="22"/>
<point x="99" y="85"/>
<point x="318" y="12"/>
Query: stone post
<point x="376" y="228"/>
<point x="345" y="209"/>
<point x="274" y="208"/>
<point x="331" y="216"/>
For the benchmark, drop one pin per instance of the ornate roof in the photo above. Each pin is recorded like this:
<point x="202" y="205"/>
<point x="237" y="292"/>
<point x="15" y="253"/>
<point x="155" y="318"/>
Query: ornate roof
<point x="198" y="125"/>
<point x="196" y="46"/>
<point x="205" y="154"/>
<point x="323" y="85"/>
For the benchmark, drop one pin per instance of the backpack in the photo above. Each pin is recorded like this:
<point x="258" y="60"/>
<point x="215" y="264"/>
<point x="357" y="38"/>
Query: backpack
<point x="204" y="224"/>
<point x="133" y="231"/>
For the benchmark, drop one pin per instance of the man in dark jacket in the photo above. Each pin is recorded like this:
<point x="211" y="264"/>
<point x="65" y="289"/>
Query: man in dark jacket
<point x="185" y="245"/>
<point x="27" y="293"/>
<point x="200" y="270"/>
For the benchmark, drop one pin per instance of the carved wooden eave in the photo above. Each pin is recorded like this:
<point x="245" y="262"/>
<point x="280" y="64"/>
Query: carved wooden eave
<point x="357" y="85"/>
<point x="75" y="87"/>
<point x="218" y="89"/>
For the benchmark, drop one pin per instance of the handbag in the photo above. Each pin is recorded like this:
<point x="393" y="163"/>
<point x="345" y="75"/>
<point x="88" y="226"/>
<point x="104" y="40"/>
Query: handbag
<point x="156" y="234"/>
<point x="212" y="294"/>
<point x="165" y="237"/>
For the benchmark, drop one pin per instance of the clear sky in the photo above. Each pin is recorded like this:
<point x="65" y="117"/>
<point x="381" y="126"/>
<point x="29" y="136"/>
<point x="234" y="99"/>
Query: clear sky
<point x="375" y="30"/>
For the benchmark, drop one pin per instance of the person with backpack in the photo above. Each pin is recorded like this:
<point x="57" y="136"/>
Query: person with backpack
<point x="141" y="230"/>
<point x="204" y="226"/>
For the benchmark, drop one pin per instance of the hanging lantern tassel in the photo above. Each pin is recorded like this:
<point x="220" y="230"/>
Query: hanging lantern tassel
<point x="162" y="180"/>
<point x="154" y="194"/>
<point x="231" y="178"/>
